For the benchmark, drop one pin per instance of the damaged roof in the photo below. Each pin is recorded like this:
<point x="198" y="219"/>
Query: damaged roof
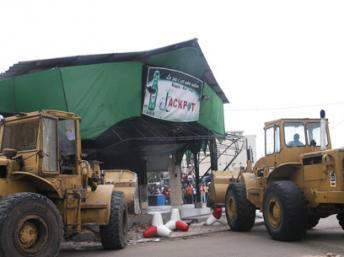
<point x="185" y="56"/>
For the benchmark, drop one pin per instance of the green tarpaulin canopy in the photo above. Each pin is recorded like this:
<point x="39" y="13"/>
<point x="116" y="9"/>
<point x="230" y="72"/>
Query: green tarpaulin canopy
<point x="106" y="89"/>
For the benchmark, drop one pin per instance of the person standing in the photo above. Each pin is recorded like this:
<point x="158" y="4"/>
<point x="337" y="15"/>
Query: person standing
<point x="202" y="190"/>
<point x="189" y="192"/>
<point x="206" y="190"/>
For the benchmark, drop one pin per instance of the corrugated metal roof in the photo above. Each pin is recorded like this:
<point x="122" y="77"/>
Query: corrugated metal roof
<point x="144" y="56"/>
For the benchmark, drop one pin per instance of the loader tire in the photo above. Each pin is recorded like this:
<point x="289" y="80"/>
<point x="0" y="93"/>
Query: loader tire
<point x="240" y="213"/>
<point x="30" y="225"/>
<point x="285" y="211"/>
<point x="114" y="235"/>
<point x="340" y="218"/>
<point x="312" y="221"/>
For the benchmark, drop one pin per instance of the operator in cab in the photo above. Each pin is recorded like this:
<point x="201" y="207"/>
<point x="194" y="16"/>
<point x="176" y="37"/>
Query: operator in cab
<point x="296" y="142"/>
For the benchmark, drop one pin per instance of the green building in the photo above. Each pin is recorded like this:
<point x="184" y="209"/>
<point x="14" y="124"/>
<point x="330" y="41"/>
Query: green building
<point x="110" y="91"/>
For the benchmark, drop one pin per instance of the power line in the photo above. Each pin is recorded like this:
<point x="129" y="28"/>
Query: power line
<point x="285" y="108"/>
<point x="337" y="124"/>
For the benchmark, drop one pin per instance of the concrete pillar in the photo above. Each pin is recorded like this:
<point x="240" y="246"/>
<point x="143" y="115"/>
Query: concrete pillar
<point x="143" y="198"/>
<point x="143" y="188"/>
<point x="176" y="195"/>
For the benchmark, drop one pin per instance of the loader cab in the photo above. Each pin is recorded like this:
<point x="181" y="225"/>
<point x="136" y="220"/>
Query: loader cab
<point x="61" y="145"/>
<point x="287" y="139"/>
<point x="45" y="143"/>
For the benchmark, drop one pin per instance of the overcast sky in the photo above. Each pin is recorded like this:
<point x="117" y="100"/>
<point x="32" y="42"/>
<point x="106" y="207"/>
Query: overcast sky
<point x="272" y="59"/>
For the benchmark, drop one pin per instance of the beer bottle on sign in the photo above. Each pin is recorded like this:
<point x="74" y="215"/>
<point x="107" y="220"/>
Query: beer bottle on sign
<point x="153" y="90"/>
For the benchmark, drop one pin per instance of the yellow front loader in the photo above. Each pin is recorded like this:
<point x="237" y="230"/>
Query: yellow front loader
<point x="47" y="192"/>
<point x="298" y="181"/>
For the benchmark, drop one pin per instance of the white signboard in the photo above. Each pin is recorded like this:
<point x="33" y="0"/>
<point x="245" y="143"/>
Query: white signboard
<point x="172" y="95"/>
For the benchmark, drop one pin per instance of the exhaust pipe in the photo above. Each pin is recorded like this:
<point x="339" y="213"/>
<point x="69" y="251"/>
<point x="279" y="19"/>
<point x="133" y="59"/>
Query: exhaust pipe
<point x="249" y="156"/>
<point x="322" y="130"/>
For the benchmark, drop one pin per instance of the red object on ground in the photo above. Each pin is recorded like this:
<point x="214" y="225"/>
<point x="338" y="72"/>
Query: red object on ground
<point x="217" y="212"/>
<point x="150" y="232"/>
<point x="182" y="226"/>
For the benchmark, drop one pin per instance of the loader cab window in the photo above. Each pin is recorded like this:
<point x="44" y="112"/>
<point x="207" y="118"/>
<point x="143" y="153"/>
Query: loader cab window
<point x="269" y="141"/>
<point x="49" y="145"/>
<point x="21" y="136"/>
<point x="294" y="134"/>
<point x="313" y="133"/>
<point x="67" y="146"/>
<point x="277" y="140"/>
<point x="272" y="140"/>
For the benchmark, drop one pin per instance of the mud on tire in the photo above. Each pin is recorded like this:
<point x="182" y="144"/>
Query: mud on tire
<point x="114" y="235"/>
<point x="240" y="213"/>
<point x="285" y="211"/>
<point x="30" y="225"/>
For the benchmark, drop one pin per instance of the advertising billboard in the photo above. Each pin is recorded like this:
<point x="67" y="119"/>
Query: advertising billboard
<point x="172" y="95"/>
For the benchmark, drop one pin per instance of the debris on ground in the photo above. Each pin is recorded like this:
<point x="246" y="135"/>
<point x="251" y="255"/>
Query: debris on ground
<point x="89" y="239"/>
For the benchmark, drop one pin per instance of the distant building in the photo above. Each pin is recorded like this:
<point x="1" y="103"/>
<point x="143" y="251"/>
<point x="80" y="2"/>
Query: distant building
<point x="232" y="147"/>
<point x="240" y="160"/>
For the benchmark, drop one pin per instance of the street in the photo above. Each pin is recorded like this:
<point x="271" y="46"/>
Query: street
<point x="326" y="238"/>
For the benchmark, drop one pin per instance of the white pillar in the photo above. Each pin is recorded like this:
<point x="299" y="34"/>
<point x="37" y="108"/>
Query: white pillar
<point x="176" y="195"/>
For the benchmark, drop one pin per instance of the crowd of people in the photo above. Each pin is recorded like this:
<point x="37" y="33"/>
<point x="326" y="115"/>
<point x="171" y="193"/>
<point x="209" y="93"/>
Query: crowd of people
<point x="189" y="189"/>
<point x="158" y="188"/>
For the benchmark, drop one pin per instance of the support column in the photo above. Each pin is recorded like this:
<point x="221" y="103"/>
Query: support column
<point x="176" y="195"/>
<point x="213" y="154"/>
<point x="198" y="203"/>
<point x="143" y="188"/>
